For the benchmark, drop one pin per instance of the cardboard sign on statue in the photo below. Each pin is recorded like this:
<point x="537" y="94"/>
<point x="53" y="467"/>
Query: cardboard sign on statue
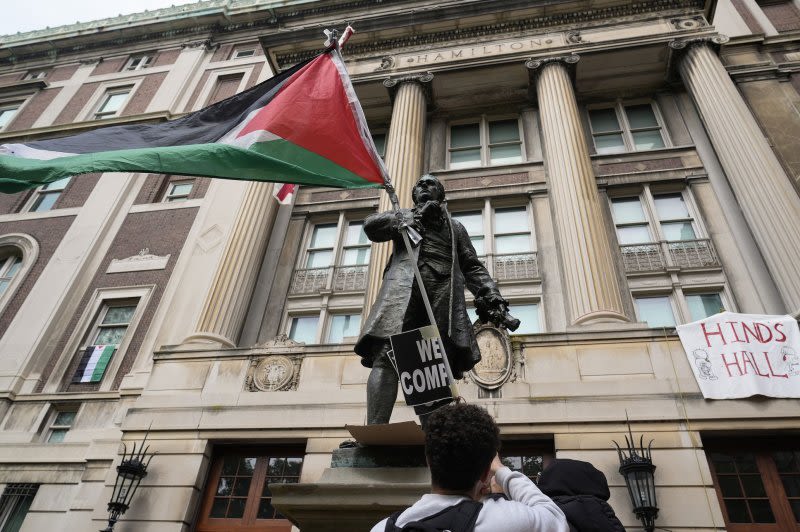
<point x="419" y="359"/>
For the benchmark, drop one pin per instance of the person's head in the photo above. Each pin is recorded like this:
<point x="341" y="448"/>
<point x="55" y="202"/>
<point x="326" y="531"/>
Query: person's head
<point x="427" y="188"/>
<point x="461" y="441"/>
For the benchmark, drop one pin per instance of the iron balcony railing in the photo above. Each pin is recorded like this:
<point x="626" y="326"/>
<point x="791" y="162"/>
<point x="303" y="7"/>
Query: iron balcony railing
<point x="658" y="256"/>
<point x="336" y="279"/>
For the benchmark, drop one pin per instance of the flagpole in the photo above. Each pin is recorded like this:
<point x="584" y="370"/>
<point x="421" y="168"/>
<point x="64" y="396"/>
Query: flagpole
<point x="404" y="233"/>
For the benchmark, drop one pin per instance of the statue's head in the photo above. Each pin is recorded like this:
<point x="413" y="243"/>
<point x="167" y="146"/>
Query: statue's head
<point x="427" y="188"/>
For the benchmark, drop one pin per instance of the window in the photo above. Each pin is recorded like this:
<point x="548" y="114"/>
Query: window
<point x="503" y="235"/>
<point x="656" y="311"/>
<point x="237" y="495"/>
<point x="484" y="143"/>
<point x="138" y="62"/>
<point x="36" y="74"/>
<point x="530" y="458"/>
<point x="356" y="247"/>
<point x="241" y="53"/>
<point x="14" y="505"/>
<point x="44" y="198"/>
<point x="7" y="113"/>
<point x="61" y="422"/>
<point x="320" y="249"/>
<point x="380" y="143"/>
<point x="225" y="87"/>
<point x="626" y="127"/>
<point x="343" y="326"/>
<point x="112" y="102"/>
<point x="303" y="329"/>
<point x="758" y="484"/>
<point x="178" y="191"/>
<point x="9" y="268"/>
<point x="704" y="305"/>
<point x="104" y="339"/>
<point x="526" y="313"/>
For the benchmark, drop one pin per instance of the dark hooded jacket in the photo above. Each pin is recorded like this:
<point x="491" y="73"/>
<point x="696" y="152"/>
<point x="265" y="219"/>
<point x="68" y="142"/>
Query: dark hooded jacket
<point x="386" y="317"/>
<point x="581" y="491"/>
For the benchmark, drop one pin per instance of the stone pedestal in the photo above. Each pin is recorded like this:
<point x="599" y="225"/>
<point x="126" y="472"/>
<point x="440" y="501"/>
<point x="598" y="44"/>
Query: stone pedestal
<point x="362" y="486"/>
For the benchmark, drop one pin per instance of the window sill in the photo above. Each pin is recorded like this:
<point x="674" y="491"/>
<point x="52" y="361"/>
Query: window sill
<point x="53" y="213"/>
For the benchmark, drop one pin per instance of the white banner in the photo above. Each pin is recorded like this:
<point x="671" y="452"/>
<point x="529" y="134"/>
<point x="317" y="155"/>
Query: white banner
<point x="739" y="355"/>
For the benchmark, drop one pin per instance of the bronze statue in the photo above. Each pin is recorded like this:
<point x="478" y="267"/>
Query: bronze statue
<point x="448" y="263"/>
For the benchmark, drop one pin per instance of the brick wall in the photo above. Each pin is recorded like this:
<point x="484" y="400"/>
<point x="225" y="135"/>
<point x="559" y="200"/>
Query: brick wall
<point x="166" y="57"/>
<point x="62" y="73"/>
<point x="77" y="192"/>
<point x="197" y="90"/>
<point x="48" y="233"/>
<point x="71" y="110"/>
<point x="747" y="16"/>
<point x="33" y="109"/>
<point x="144" y="94"/>
<point x="110" y="65"/>
<point x="254" y="76"/>
<point x="783" y="15"/>
<point x="138" y="231"/>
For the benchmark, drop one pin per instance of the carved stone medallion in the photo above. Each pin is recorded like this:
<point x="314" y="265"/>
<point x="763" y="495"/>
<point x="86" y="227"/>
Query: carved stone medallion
<point x="272" y="373"/>
<point x="496" y="363"/>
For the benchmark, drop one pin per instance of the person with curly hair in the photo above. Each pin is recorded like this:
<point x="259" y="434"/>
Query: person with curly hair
<point x="461" y="448"/>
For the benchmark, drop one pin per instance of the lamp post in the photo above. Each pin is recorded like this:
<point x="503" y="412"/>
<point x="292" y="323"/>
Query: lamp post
<point x="130" y="472"/>
<point x="636" y="467"/>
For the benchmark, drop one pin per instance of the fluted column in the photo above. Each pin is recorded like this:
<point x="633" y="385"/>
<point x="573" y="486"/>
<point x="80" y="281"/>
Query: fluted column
<point x="592" y="290"/>
<point x="223" y="313"/>
<point x="405" y="148"/>
<point x="767" y="199"/>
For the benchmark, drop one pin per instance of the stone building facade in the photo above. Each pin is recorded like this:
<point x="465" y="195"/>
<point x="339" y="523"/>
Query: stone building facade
<point x="621" y="167"/>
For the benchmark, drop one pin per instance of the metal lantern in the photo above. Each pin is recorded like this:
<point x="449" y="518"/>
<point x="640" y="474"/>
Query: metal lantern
<point x="636" y="467"/>
<point x="130" y="472"/>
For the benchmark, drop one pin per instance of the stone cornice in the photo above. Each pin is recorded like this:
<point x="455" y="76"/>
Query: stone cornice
<point x="467" y="34"/>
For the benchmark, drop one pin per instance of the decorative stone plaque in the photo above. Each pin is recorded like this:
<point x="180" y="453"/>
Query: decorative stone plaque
<point x="497" y="360"/>
<point x="274" y="366"/>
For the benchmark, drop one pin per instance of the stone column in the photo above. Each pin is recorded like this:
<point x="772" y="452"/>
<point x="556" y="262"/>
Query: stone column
<point x="226" y="303"/>
<point x="405" y="150"/>
<point x="764" y="192"/>
<point x="587" y="260"/>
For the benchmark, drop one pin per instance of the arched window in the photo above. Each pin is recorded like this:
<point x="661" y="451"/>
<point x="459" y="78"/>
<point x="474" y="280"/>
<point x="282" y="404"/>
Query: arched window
<point x="18" y="252"/>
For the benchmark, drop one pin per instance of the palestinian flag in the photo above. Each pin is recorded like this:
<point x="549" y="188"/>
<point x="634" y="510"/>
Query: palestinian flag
<point x="93" y="363"/>
<point x="302" y="126"/>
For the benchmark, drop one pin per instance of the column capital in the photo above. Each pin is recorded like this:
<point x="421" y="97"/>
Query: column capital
<point x="423" y="79"/>
<point x="714" y="40"/>
<point x="536" y="63"/>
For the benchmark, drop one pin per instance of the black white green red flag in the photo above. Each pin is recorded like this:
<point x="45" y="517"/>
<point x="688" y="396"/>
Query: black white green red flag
<point x="303" y="126"/>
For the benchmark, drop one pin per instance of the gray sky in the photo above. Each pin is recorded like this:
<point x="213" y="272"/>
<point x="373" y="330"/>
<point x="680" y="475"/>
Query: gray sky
<point x="27" y="15"/>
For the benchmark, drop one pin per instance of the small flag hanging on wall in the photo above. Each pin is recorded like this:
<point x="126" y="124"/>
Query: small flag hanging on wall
<point x="94" y="363"/>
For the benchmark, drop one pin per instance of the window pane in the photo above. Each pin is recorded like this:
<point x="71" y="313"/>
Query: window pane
<point x="753" y="486"/>
<point x="627" y="210"/>
<point x="323" y="236"/>
<point x="181" y="189"/>
<point x="609" y="143"/>
<point x="703" y="305"/>
<point x="110" y="335"/>
<point x="648" y="140"/>
<point x="791" y="483"/>
<point x="355" y="256"/>
<point x="737" y="511"/>
<point x="113" y="102"/>
<point x="380" y="143"/>
<point x="678" y="231"/>
<point x="304" y="329"/>
<point x="319" y="259"/>
<point x="762" y="513"/>
<point x="512" y="244"/>
<point x="510" y="220"/>
<point x="61" y="184"/>
<point x="655" y="311"/>
<point x="478" y="244"/>
<point x="355" y="234"/>
<point x="472" y="221"/>
<point x="604" y="120"/>
<point x="6" y="115"/>
<point x="45" y="202"/>
<point x="671" y="207"/>
<point x="343" y="325"/>
<point x="4" y="286"/>
<point x="641" y="116"/>
<point x="57" y="436"/>
<point x="464" y="136"/>
<point x="787" y="461"/>
<point x="64" y="419"/>
<point x="119" y="314"/>
<point x="505" y="154"/>
<point x="16" y="264"/>
<point x="465" y="158"/>
<point x="472" y="313"/>
<point x="729" y="486"/>
<point x="635" y="234"/>
<point x="503" y="131"/>
<point x="528" y="315"/>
